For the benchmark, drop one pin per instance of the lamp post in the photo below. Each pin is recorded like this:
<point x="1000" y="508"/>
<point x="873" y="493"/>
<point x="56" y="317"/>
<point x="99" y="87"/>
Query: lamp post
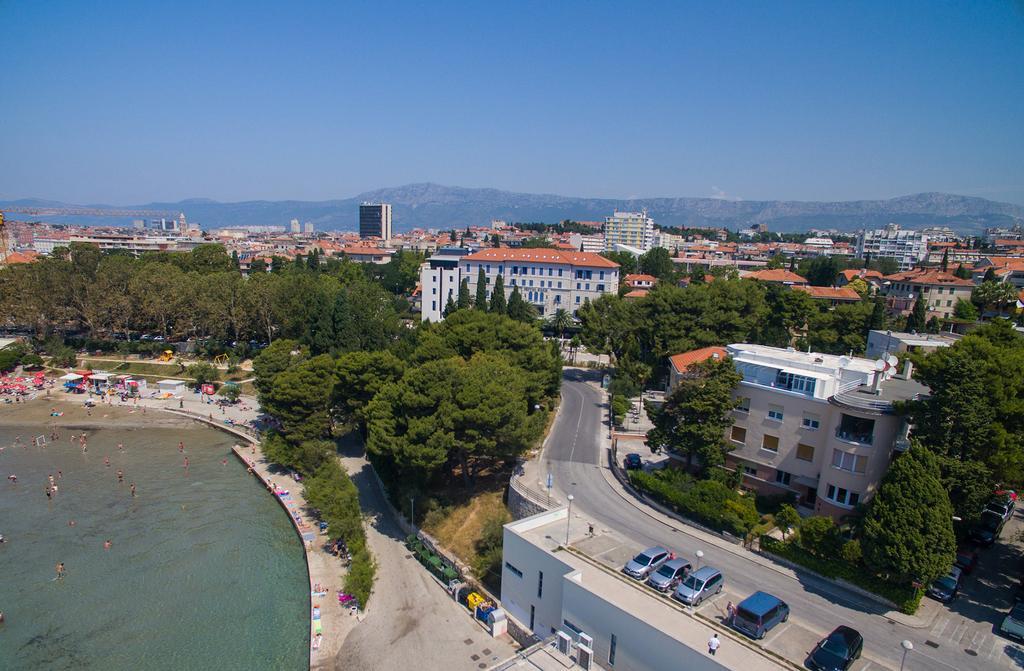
<point x="700" y="555"/>
<point x="907" y="647"/>
<point x="568" y="521"/>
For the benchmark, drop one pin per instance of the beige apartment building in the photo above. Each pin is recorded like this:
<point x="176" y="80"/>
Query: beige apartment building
<point x="940" y="290"/>
<point x="817" y="426"/>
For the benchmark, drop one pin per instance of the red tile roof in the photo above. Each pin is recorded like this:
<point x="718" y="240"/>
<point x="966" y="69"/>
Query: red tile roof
<point x="830" y="293"/>
<point x="21" y="257"/>
<point x="853" y="273"/>
<point x="780" y="275"/>
<point x="1007" y="262"/>
<point x="543" y="255"/>
<point x="367" y="251"/>
<point x="929" y="276"/>
<point x="637" y="293"/>
<point x="639" y="277"/>
<point x="681" y="362"/>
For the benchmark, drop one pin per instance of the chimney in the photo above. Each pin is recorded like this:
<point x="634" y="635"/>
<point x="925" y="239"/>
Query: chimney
<point x="908" y="369"/>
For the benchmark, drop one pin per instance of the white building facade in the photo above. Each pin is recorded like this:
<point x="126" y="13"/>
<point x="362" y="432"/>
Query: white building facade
<point x="628" y="229"/>
<point x="909" y="248"/>
<point x="439" y="281"/>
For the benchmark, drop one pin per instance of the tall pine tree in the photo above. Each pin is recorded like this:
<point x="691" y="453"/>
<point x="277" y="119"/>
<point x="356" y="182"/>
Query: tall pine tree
<point x="465" y="300"/>
<point x="481" y="291"/>
<point x="498" y="304"/>
<point x="919" y="315"/>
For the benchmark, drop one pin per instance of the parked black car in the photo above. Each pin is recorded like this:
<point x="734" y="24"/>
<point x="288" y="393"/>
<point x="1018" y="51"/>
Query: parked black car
<point x="633" y="461"/>
<point x="945" y="589"/>
<point x="987" y="530"/>
<point x="837" y="651"/>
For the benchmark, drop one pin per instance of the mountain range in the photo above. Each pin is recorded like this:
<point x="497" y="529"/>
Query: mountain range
<point x="444" y="207"/>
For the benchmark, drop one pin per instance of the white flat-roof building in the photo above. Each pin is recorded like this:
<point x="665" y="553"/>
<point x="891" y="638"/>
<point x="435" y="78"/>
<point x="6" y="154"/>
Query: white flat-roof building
<point x="908" y="247"/>
<point x="549" y="589"/>
<point x="881" y="343"/>
<point x="630" y="229"/>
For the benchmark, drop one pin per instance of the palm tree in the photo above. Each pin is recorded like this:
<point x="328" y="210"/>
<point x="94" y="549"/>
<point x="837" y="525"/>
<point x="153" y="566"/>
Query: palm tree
<point x="560" y="321"/>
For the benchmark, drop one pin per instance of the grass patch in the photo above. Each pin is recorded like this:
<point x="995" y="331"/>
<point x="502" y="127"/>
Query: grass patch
<point x="459" y="527"/>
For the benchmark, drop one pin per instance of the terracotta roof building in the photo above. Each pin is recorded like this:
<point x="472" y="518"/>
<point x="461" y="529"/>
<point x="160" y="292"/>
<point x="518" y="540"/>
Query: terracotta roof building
<point x="941" y="291"/>
<point x="640" y="281"/>
<point x="679" y="363"/>
<point x="834" y="295"/>
<point x="775" y="276"/>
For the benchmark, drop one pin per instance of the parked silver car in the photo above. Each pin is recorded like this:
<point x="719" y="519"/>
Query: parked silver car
<point x="645" y="563"/>
<point x="669" y="575"/>
<point x="699" y="585"/>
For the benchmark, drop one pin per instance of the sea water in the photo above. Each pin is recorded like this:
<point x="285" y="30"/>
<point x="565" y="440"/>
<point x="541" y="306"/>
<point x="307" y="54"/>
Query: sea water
<point x="204" y="572"/>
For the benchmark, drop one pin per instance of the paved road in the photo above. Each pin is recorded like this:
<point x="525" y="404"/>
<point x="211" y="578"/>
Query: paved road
<point x="411" y="621"/>
<point x="573" y="454"/>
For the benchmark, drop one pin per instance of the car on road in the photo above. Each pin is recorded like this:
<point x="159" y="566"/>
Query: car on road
<point x="837" y="651"/>
<point x="1013" y="623"/>
<point x="645" y="563"/>
<point x="966" y="559"/>
<point x="945" y="589"/>
<point x="669" y="575"/>
<point x="987" y="530"/>
<point x="633" y="461"/>
<point x="758" y="613"/>
<point x="1002" y="506"/>
<point x="699" y="585"/>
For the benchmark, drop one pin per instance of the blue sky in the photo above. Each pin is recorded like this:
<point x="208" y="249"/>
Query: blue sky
<point x="130" y="102"/>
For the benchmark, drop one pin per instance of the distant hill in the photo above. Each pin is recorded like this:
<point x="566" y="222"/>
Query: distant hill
<point x="444" y="207"/>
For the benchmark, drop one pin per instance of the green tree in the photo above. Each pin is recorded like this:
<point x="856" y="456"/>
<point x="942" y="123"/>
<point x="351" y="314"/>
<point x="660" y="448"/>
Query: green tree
<point x="202" y="373"/>
<point x="990" y="275"/>
<point x="449" y="307"/>
<point x="944" y="264"/>
<point x="481" y="291"/>
<point x="518" y="309"/>
<point x="465" y="300"/>
<point x="273" y="360"/>
<point x="965" y="310"/>
<point x="819" y="535"/>
<point x="498" y="304"/>
<point x="787" y="519"/>
<point x="300" y="399"/>
<point x="998" y="295"/>
<point x="697" y="412"/>
<point x="908" y="527"/>
<point x="963" y="272"/>
<point x="360" y="376"/>
<point x="821" y="271"/>
<point x="628" y="263"/>
<point x="918" y="318"/>
<point x="657" y="262"/>
<point x="877" y="319"/>
<point x="560" y="321"/>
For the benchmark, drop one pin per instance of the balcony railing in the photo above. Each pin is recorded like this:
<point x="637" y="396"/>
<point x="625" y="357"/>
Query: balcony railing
<point x="852" y="437"/>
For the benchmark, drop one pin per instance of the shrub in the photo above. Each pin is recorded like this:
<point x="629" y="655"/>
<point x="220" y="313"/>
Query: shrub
<point x="620" y="406"/>
<point x="708" y="502"/>
<point x="361" y="573"/>
<point x="202" y="373"/>
<point x="851" y="551"/>
<point x="787" y="518"/>
<point x="906" y="598"/>
<point x="820" y="536"/>
<point x="770" y="504"/>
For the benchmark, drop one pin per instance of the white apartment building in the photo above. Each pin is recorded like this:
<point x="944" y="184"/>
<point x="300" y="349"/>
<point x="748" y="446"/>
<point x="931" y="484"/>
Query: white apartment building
<point x="820" y="427"/>
<point x="439" y="280"/>
<point x="587" y="243"/>
<point x="629" y="229"/>
<point x="554" y="592"/>
<point x="909" y="248"/>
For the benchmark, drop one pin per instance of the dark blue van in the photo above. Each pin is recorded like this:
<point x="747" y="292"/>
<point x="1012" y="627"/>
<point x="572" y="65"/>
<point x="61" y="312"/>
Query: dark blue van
<point x="758" y="613"/>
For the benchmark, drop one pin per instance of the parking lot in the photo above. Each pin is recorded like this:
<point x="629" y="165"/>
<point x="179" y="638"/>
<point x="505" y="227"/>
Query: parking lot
<point x="955" y="631"/>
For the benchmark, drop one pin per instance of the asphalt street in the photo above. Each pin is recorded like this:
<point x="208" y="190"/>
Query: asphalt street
<point x="959" y="637"/>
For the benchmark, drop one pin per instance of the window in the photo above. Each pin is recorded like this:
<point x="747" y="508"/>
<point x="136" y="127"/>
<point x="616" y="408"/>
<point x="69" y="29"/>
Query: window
<point x="579" y="274"/>
<point x="856" y="429"/>
<point x="551" y="271"/>
<point x="559" y="274"/>
<point x="775" y="412"/>
<point x="579" y="285"/>
<point x="842" y="496"/>
<point x="577" y="301"/>
<point x="501" y="270"/>
<point x="533" y="612"/>
<point x="750" y="470"/>
<point x="782" y="477"/>
<point x="600" y="275"/>
<point x="558" y="298"/>
<point x="559" y="284"/>
<point x="739" y="434"/>
<point x="770" y="443"/>
<point x="846" y="461"/>
<point x="434" y="291"/>
<point x="588" y="286"/>
<point x="811" y="422"/>
<point x="540" y="584"/>
<point x="469" y="266"/>
<point x="611" y="650"/>
<point x="514" y="570"/>
<point x="797" y="383"/>
<point x="488" y="271"/>
<point x="515" y="270"/>
<point x="600" y="287"/>
<point x="743" y="404"/>
<point x="804" y="452"/>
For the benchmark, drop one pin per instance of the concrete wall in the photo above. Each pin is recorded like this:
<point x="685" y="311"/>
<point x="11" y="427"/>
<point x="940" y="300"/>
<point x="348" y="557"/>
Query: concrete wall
<point x="519" y="592"/>
<point x="522" y="502"/>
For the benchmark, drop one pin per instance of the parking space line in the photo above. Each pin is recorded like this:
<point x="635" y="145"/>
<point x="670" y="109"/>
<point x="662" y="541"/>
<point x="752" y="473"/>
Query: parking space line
<point x="940" y="623"/>
<point x="765" y="642"/>
<point x="957" y="633"/>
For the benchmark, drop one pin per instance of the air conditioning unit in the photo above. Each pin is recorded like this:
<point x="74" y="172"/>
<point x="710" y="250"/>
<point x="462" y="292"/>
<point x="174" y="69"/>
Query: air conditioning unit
<point x="586" y="640"/>
<point x="564" y="643"/>
<point x="584" y="656"/>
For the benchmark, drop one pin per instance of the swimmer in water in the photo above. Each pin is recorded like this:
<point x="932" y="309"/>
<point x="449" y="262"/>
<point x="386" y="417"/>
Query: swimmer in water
<point x="59" y="475"/>
<point x="71" y="523"/>
<point x="106" y="461"/>
<point x="120" y="476"/>
<point x="223" y="462"/>
<point x="131" y="488"/>
<point x="186" y="463"/>
<point x="107" y="544"/>
<point x="60" y="570"/>
<point x="120" y="447"/>
<point x="181" y="447"/>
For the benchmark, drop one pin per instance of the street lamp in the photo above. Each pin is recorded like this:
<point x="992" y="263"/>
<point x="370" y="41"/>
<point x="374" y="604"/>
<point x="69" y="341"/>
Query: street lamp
<point x="907" y="647"/>
<point x="700" y="555"/>
<point x="568" y="521"/>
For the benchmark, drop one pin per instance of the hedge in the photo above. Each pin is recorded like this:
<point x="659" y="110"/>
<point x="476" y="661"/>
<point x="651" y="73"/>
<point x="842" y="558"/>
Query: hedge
<point x="707" y="502"/>
<point x="906" y="598"/>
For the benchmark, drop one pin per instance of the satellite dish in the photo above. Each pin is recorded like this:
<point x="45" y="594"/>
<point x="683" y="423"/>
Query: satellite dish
<point x="880" y="364"/>
<point x="892" y="361"/>
<point x="844" y="361"/>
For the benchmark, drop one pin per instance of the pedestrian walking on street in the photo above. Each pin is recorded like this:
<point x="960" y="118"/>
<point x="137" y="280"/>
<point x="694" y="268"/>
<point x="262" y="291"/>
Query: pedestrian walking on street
<point x="713" y="644"/>
<point x="730" y="612"/>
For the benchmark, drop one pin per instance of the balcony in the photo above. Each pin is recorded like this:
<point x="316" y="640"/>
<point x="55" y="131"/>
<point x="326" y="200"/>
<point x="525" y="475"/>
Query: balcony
<point x="855" y="436"/>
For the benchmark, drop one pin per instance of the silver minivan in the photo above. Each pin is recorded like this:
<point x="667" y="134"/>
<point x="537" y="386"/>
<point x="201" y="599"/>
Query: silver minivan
<point x="669" y="575"/>
<point x="645" y="563"/>
<point x="699" y="585"/>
